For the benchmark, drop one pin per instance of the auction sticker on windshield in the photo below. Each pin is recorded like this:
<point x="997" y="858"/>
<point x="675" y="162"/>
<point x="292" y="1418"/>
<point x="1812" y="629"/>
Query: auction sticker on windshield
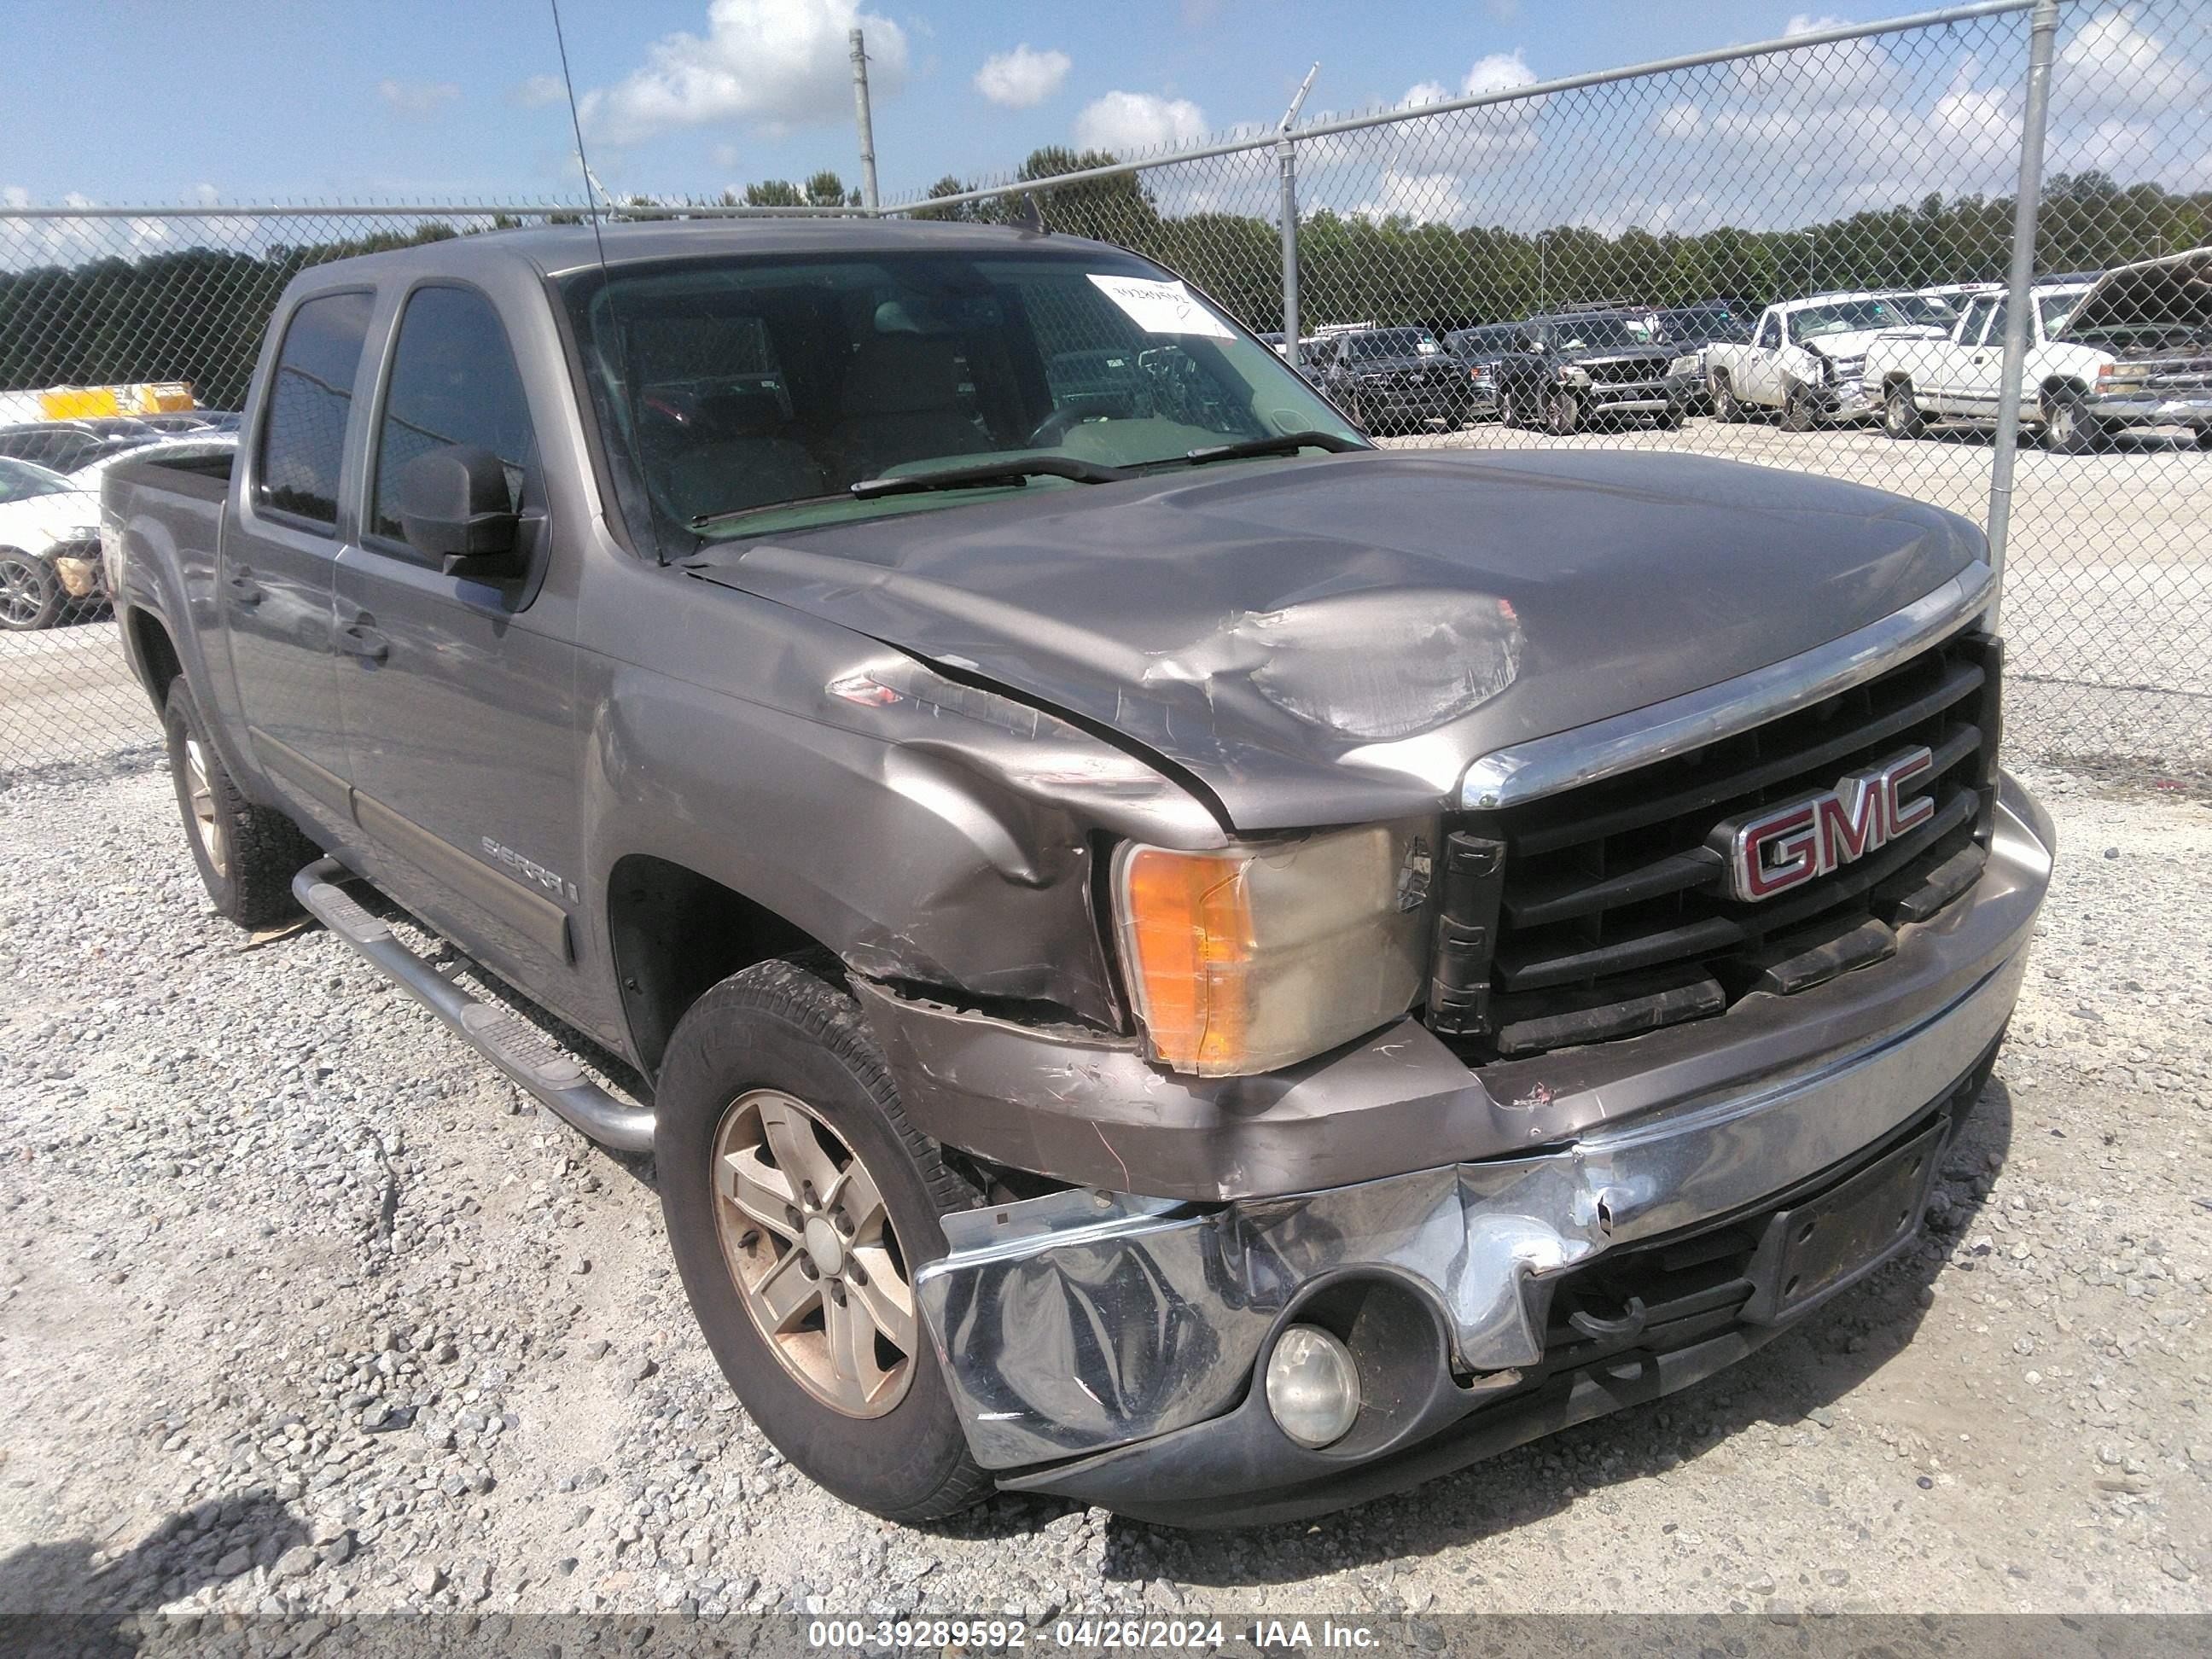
<point x="1160" y="308"/>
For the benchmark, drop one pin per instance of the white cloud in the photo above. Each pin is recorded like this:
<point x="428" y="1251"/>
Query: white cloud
<point x="2111" y="66"/>
<point x="776" y="63"/>
<point x="1419" y="196"/>
<point x="1129" y="122"/>
<point x="206" y="195"/>
<point x="1501" y="71"/>
<point x="540" y="90"/>
<point x="726" y="156"/>
<point x="1020" y="78"/>
<point x="1503" y="10"/>
<point x="418" y="97"/>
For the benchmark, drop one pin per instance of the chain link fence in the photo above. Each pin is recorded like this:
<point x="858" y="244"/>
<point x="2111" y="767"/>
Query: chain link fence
<point x="1632" y="227"/>
<point x="1635" y="227"/>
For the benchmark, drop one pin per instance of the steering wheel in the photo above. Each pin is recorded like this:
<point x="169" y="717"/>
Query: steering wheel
<point x="1054" y="427"/>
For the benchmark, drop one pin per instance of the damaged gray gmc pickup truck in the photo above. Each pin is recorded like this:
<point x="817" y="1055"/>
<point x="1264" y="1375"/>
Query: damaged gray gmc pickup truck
<point x="1162" y="954"/>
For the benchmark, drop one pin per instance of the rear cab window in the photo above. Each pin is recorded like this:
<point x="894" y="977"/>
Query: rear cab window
<point x="310" y="397"/>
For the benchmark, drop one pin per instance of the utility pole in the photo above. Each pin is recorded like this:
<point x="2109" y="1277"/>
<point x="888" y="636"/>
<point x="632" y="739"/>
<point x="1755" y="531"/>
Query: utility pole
<point x="868" y="197"/>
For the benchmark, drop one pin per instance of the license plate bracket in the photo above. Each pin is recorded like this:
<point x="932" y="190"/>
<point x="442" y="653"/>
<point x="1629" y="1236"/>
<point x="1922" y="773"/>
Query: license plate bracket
<point x="1812" y="1250"/>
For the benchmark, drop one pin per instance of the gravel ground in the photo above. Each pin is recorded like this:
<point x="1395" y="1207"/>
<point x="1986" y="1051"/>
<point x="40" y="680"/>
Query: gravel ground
<point x="302" y="1307"/>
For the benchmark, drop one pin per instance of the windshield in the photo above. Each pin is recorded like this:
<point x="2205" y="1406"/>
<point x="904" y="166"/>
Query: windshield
<point x="22" y="480"/>
<point x="1926" y="308"/>
<point x="1845" y="317"/>
<point x="1393" y="343"/>
<point x="1485" y="342"/>
<point x="1705" y="323"/>
<point x="736" y="383"/>
<point x="1601" y="333"/>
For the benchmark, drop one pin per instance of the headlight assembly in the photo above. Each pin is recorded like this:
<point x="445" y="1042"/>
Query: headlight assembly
<point x="1251" y="957"/>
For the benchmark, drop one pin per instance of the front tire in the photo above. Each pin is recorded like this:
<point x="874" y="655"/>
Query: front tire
<point x="2068" y="426"/>
<point x="30" y="593"/>
<point x="1725" y="406"/>
<point x="1562" y="413"/>
<point x="1900" y="412"/>
<point x="247" y="855"/>
<point x="798" y="1202"/>
<point x="1798" y="414"/>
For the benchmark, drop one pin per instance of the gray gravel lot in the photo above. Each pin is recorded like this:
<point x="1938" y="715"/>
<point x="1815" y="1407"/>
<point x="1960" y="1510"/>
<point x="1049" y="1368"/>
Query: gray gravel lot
<point x="302" y="1307"/>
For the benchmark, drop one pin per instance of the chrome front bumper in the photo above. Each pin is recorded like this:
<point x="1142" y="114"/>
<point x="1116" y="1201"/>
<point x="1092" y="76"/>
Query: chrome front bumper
<point x="1086" y="1321"/>
<point x="2149" y="410"/>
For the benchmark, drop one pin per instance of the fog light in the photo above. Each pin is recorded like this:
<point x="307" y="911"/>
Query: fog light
<point x="1313" y="1386"/>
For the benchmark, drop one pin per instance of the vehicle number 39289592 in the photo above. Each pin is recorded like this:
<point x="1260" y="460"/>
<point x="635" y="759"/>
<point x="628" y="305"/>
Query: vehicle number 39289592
<point x="995" y="1635"/>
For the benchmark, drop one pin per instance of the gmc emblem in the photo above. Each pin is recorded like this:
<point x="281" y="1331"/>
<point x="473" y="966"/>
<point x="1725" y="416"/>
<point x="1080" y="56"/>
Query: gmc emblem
<point x="1786" y="847"/>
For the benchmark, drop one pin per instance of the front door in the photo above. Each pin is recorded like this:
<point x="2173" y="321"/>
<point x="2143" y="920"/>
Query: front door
<point x="1763" y="364"/>
<point x="1981" y="368"/>
<point x="457" y="694"/>
<point x="280" y="554"/>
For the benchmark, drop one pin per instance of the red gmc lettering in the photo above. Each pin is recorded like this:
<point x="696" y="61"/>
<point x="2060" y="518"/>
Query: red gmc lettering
<point x="1790" y="845"/>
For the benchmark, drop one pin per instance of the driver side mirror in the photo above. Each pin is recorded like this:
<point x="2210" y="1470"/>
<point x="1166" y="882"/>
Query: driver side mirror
<point x="455" y="507"/>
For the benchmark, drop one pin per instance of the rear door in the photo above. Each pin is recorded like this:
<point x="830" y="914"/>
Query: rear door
<point x="279" y="554"/>
<point x="457" y="694"/>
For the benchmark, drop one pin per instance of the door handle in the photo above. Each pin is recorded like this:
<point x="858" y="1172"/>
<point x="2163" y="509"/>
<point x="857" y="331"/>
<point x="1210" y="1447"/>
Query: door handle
<point x="243" y="589"/>
<point x="359" y="640"/>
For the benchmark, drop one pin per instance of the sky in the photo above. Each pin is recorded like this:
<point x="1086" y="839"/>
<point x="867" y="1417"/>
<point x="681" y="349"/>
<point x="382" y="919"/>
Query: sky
<point x="405" y="100"/>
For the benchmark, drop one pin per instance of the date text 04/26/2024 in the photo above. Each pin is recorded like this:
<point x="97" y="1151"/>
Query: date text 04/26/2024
<point x="1006" y="1635"/>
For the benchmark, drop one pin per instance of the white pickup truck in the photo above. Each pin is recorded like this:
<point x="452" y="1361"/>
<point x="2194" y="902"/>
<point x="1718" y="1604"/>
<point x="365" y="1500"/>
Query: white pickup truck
<point x="2132" y="348"/>
<point x="1806" y="358"/>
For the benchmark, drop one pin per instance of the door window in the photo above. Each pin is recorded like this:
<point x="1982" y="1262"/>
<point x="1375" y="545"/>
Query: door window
<point x="1977" y="315"/>
<point x="303" y="438"/>
<point x="1996" y="336"/>
<point x="454" y="381"/>
<point x="1770" y="333"/>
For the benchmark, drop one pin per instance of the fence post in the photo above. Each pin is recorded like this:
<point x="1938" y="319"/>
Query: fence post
<point x="860" y="114"/>
<point x="1286" y="159"/>
<point x="2043" y="30"/>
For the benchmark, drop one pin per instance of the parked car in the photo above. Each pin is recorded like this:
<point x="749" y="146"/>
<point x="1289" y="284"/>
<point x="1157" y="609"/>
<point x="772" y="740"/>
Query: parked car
<point x="49" y="547"/>
<point x="1478" y="351"/>
<point x="64" y="446"/>
<point x="1388" y="379"/>
<point x="1688" y="331"/>
<point x="1806" y="358"/>
<point x="2129" y="349"/>
<point x="1180" y="960"/>
<point x="1580" y="367"/>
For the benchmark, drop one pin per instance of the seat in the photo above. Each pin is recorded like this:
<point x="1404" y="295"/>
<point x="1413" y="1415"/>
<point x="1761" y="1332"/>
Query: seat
<point x="731" y="453"/>
<point x="900" y="401"/>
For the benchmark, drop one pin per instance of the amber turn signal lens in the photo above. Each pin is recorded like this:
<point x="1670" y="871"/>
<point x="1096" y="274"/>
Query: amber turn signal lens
<point x="1188" y="925"/>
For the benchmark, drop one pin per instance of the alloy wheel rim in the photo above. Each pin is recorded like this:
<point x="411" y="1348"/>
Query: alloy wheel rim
<point x="206" y="824"/>
<point x="19" y="595"/>
<point x="810" y="1245"/>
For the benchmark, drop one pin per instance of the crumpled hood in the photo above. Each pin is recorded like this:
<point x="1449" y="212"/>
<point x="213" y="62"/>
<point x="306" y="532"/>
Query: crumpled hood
<point x="1331" y="641"/>
<point x="1853" y="344"/>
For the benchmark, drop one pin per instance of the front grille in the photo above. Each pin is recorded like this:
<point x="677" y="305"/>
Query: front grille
<point x="1610" y="914"/>
<point x="2180" y="377"/>
<point x="1622" y="371"/>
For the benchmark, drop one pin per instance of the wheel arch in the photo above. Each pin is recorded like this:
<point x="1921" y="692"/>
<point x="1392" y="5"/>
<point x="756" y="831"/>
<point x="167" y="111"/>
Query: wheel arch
<point x="675" y="933"/>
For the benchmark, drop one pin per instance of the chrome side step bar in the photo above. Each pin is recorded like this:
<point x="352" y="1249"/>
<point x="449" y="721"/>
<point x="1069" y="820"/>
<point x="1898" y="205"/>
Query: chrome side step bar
<point x="525" y="1053"/>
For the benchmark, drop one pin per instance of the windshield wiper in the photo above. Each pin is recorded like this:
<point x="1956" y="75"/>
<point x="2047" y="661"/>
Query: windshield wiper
<point x="980" y="474"/>
<point x="991" y="472"/>
<point x="1288" y="443"/>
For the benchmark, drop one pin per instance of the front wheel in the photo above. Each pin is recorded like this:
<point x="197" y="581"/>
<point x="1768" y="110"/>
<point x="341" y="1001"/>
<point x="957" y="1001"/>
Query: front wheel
<point x="1562" y="413"/>
<point x="1672" y="418"/>
<point x="1900" y="412"/>
<point x="2068" y="426"/>
<point x="247" y="855"/>
<point x="2204" y="437"/>
<point x="800" y="1201"/>
<point x="1725" y="406"/>
<point x="1798" y="413"/>
<point x="30" y="595"/>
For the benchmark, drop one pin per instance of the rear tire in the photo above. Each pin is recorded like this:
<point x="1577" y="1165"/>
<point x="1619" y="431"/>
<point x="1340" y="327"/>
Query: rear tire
<point x="1900" y="412"/>
<point x="788" y="1034"/>
<point x="247" y="855"/>
<point x="30" y="593"/>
